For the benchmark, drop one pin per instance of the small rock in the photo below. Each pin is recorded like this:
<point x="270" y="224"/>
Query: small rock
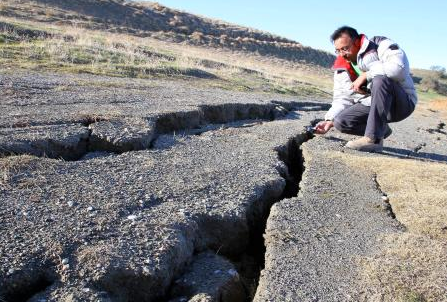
<point x="146" y="270"/>
<point x="90" y="209"/>
<point x="86" y="289"/>
<point x="66" y="267"/>
<point x="132" y="217"/>
<point x="64" y="261"/>
<point x="71" y="203"/>
<point x="11" y="271"/>
<point x="217" y="271"/>
<point x="385" y="198"/>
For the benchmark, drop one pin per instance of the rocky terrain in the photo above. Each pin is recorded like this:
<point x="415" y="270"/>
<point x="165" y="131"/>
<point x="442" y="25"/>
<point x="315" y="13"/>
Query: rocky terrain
<point x="159" y="191"/>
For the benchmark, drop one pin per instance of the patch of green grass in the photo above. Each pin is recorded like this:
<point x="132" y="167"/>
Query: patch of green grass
<point x="427" y="96"/>
<point x="411" y="296"/>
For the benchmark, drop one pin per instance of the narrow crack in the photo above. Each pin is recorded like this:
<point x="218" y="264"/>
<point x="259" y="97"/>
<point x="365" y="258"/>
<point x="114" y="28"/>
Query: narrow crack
<point x="385" y="204"/>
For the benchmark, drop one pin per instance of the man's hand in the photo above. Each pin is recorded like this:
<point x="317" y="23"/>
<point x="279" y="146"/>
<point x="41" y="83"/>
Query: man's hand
<point x="323" y="127"/>
<point x="359" y="82"/>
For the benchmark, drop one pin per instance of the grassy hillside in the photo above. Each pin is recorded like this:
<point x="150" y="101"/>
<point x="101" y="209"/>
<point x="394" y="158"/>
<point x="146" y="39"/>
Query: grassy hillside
<point x="154" y="20"/>
<point x="64" y="48"/>
<point x="146" y="40"/>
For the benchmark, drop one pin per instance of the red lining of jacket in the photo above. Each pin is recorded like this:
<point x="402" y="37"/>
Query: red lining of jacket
<point x="341" y="63"/>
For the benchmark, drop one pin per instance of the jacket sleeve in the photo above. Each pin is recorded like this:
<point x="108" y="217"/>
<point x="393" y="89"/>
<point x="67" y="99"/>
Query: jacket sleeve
<point x="392" y="62"/>
<point x="342" y="97"/>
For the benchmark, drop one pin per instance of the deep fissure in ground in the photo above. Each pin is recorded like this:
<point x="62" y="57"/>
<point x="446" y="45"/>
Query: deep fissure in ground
<point x="251" y="262"/>
<point x="29" y="286"/>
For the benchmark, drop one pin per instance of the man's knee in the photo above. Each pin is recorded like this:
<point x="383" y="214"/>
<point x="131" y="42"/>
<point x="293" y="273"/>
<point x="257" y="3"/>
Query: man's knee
<point x="340" y="123"/>
<point x="380" y="82"/>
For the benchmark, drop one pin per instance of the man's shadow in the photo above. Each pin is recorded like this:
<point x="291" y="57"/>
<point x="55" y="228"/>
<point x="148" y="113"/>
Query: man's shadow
<point x="402" y="153"/>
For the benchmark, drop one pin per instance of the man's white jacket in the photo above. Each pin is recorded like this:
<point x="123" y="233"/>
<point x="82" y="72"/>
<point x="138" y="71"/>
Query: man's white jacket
<point x="379" y="56"/>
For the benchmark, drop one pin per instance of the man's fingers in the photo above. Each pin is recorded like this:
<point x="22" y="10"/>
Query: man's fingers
<point x="319" y="126"/>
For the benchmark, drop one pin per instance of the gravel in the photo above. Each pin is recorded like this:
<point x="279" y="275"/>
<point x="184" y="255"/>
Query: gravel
<point x="131" y="223"/>
<point x="162" y="181"/>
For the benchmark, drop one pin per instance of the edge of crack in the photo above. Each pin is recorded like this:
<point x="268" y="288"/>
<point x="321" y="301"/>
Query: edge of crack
<point x="161" y="124"/>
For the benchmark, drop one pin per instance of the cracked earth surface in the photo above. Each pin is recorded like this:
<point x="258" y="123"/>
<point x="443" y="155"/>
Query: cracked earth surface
<point x="164" y="191"/>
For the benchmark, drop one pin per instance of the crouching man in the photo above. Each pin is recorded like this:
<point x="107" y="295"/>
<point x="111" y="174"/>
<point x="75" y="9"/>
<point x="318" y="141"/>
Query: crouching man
<point x="372" y="87"/>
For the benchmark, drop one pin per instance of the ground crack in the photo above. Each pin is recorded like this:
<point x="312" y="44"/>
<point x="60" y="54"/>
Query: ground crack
<point x="105" y="136"/>
<point x="251" y="261"/>
<point x="385" y="203"/>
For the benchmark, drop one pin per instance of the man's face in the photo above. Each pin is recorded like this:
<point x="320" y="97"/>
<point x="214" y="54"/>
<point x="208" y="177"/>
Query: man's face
<point x="347" y="48"/>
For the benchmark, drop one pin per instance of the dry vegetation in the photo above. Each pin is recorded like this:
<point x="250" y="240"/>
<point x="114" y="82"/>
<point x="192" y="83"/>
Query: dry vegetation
<point x="78" y="50"/>
<point x="432" y="90"/>
<point x="410" y="266"/>
<point x="149" y="19"/>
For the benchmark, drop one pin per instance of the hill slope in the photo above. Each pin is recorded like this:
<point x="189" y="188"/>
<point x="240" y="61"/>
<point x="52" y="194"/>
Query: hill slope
<point x="155" y="20"/>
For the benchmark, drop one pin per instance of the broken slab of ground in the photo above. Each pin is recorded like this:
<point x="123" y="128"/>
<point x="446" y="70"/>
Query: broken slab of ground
<point x="174" y="206"/>
<point x="364" y="227"/>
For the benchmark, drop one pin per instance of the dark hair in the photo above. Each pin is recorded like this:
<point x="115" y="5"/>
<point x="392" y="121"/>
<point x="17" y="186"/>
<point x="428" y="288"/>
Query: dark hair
<point x="352" y="32"/>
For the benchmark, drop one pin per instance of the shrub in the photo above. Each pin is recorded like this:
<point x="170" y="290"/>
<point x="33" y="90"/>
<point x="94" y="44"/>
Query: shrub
<point x="440" y="70"/>
<point x="430" y="83"/>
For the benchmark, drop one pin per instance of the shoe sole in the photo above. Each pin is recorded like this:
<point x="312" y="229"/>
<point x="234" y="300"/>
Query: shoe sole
<point x="376" y="148"/>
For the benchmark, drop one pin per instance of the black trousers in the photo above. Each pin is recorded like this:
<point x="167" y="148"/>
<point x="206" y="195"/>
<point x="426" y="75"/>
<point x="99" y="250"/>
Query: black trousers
<point x="389" y="103"/>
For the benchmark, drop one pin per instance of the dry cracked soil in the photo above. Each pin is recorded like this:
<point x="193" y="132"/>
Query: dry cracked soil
<point x="150" y="190"/>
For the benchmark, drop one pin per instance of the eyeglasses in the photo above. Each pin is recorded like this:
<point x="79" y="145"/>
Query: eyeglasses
<point x="344" y="50"/>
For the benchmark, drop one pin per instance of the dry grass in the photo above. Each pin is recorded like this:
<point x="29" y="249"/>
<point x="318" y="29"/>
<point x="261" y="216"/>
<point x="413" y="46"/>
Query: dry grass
<point x="10" y="167"/>
<point x="410" y="266"/>
<point x="24" y="172"/>
<point x="417" y="191"/>
<point x="439" y="104"/>
<point x="72" y="49"/>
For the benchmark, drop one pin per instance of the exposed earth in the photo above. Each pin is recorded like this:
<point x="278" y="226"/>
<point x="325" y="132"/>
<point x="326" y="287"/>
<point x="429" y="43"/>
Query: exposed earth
<point x="151" y="190"/>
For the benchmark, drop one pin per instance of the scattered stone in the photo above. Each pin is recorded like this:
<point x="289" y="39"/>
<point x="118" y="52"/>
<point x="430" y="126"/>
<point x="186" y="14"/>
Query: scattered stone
<point x="132" y="217"/>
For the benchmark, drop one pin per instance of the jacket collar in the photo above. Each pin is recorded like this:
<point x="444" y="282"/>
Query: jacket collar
<point x="364" y="43"/>
<point x="341" y="64"/>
